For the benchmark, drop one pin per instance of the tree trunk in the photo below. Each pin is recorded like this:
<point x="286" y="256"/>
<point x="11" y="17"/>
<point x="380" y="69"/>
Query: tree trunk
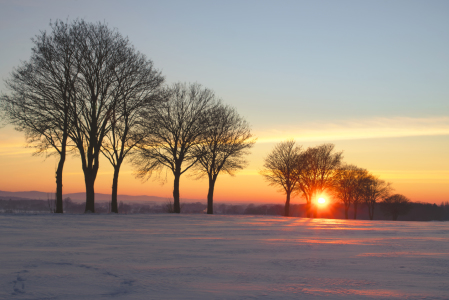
<point x="176" y="206"/>
<point x="210" y="197"/>
<point x="90" y="193"/>
<point x="287" y="205"/>
<point x="59" y="208"/>
<point x="114" y="206"/>
<point x="308" y="210"/>
<point x="371" y="211"/>
<point x="355" y="210"/>
<point x="394" y="216"/>
<point x="346" y="211"/>
<point x="312" y="206"/>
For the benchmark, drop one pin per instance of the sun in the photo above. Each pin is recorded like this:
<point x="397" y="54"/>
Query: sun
<point x="321" y="201"/>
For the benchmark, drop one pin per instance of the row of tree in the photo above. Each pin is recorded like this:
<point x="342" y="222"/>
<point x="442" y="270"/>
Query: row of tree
<point x="317" y="170"/>
<point x="87" y="91"/>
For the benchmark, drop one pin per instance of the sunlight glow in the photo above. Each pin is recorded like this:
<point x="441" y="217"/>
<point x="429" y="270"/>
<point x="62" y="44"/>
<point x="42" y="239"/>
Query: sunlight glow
<point x="321" y="201"/>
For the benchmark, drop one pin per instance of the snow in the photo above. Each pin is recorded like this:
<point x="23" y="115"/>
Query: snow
<point x="167" y="256"/>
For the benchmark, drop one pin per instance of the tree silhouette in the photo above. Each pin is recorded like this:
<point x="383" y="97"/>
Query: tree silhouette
<point x="110" y="72"/>
<point x="172" y="130"/>
<point x="317" y="168"/>
<point x="349" y="186"/>
<point x="396" y="205"/>
<point x="42" y="95"/>
<point x="226" y="141"/>
<point x="362" y="179"/>
<point x="281" y="169"/>
<point x="375" y="190"/>
<point x="137" y="90"/>
<point x="346" y="185"/>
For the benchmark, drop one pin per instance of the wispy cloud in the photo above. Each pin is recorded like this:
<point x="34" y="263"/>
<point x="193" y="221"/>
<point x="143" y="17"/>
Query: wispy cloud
<point x="359" y="129"/>
<point x="15" y="149"/>
<point x="432" y="175"/>
<point x="414" y="175"/>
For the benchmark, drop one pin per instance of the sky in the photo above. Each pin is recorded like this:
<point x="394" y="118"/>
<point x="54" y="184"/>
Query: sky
<point x="370" y="77"/>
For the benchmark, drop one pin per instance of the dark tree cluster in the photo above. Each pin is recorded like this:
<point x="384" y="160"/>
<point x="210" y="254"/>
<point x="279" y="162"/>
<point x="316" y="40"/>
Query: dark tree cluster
<point x="307" y="172"/>
<point x="87" y="91"/>
<point x="396" y="205"/>
<point x="317" y="170"/>
<point x="428" y="212"/>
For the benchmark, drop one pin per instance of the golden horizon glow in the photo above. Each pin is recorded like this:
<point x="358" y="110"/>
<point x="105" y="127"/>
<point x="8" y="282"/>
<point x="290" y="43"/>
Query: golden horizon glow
<point x="416" y="166"/>
<point x="358" y="129"/>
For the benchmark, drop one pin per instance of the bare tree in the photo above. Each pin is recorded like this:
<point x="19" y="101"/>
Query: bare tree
<point x="375" y="190"/>
<point x="348" y="186"/>
<point x="42" y="93"/>
<point x="362" y="179"/>
<point x="137" y="90"/>
<point x="281" y="169"/>
<point x="172" y="130"/>
<point x="105" y="59"/>
<point x="396" y="205"/>
<point x="317" y="168"/>
<point x="345" y="185"/>
<point x="226" y="141"/>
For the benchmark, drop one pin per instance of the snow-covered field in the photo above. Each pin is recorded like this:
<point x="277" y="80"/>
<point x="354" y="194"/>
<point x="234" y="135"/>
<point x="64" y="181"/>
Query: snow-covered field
<point x="220" y="257"/>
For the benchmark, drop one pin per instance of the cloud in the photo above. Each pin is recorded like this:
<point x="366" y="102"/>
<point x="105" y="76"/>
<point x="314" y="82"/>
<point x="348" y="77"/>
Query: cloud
<point x="414" y="175"/>
<point x="15" y="149"/>
<point x="359" y="129"/>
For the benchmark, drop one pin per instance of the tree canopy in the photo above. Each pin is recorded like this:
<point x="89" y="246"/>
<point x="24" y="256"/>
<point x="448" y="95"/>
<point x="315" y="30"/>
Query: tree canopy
<point x="172" y="131"/>
<point x="280" y="169"/>
<point x="226" y="141"/>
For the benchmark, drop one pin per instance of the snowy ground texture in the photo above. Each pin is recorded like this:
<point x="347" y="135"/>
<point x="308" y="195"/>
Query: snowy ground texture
<point x="220" y="257"/>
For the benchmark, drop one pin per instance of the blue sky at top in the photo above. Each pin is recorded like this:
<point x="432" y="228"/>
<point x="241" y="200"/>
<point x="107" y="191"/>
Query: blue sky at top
<point x="277" y="61"/>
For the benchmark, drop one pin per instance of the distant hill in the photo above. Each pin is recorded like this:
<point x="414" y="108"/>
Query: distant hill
<point x="78" y="197"/>
<point x="25" y="195"/>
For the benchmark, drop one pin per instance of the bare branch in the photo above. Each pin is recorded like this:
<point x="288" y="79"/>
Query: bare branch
<point x="281" y="168"/>
<point x="171" y="132"/>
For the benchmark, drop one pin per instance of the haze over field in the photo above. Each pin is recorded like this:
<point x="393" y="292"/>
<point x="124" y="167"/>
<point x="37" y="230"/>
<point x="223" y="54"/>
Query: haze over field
<point x="81" y="197"/>
<point x="370" y="77"/>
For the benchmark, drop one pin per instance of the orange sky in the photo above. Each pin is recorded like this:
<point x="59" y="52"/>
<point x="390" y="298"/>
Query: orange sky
<point x="417" y="166"/>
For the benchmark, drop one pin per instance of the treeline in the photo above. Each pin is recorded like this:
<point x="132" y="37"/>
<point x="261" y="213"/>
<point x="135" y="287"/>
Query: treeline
<point x="418" y="211"/>
<point x="318" y="172"/>
<point x="48" y="206"/>
<point x="86" y="91"/>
